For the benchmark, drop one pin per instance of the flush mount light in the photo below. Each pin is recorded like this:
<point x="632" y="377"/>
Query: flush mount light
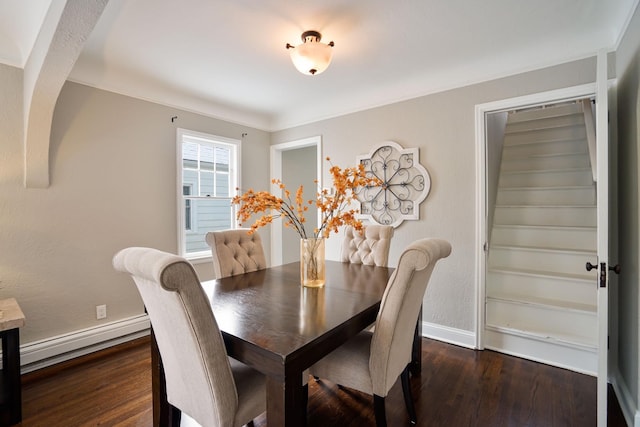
<point x="311" y="57"/>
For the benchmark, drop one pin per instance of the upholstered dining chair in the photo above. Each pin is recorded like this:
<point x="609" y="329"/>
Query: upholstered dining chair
<point x="371" y="362"/>
<point x="235" y="252"/>
<point x="371" y="247"/>
<point x="201" y="380"/>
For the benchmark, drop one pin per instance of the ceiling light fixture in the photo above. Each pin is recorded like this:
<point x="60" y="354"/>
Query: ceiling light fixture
<point x="311" y="57"/>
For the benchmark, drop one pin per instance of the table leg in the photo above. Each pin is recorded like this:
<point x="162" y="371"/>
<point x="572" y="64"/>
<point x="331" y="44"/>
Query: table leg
<point x="416" y="352"/>
<point x="286" y="402"/>
<point x="11" y="373"/>
<point x="164" y="414"/>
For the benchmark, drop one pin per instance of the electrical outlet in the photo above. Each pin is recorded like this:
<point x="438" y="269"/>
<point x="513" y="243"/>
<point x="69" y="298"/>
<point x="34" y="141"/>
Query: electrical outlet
<point x="101" y="312"/>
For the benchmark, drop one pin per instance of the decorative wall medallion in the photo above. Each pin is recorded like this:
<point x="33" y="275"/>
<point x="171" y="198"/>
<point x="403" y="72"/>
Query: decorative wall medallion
<point x="405" y="184"/>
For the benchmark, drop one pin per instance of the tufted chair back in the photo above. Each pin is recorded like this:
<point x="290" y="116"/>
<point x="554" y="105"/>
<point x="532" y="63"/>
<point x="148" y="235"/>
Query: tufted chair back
<point x="371" y="247"/>
<point x="235" y="252"/>
<point x="200" y="379"/>
<point x="372" y="362"/>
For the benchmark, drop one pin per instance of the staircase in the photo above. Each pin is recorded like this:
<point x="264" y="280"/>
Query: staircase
<point x="540" y="300"/>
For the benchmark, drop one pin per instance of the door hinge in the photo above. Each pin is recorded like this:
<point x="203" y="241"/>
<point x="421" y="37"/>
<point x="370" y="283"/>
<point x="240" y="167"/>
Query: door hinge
<point x="607" y="342"/>
<point x="485" y="247"/>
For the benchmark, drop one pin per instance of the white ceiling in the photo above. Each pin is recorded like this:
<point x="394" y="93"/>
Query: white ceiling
<point x="227" y="58"/>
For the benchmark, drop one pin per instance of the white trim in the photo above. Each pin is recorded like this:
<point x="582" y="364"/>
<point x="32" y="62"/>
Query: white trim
<point x="627" y="403"/>
<point x="481" y="110"/>
<point x="449" y="335"/>
<point x="481" y="221"/>
<point x="276" y="173"/>
<point x="602" y="203"/>
<point x="39" y="354"/>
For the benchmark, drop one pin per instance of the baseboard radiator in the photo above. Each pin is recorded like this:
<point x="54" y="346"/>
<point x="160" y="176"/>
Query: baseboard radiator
<point x="50" y="351"/>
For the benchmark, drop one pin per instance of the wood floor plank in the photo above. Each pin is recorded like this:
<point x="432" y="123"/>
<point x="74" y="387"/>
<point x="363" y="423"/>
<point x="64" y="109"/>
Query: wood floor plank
<point x="457" y="387"/>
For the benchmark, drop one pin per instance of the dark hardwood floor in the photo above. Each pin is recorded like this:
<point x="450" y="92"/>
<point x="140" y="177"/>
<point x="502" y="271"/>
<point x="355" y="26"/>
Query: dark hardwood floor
<point x="457" y="387"/>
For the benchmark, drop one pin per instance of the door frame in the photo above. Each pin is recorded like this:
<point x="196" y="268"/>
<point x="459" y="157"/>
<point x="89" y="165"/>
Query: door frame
<point x="481" y="111"/>
<point x="276" y="173"/>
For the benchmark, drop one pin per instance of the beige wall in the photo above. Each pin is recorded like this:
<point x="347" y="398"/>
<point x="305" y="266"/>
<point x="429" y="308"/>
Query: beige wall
<point x="299" y="167"/>
<point x="628" y="93"/>
<point x="113" y="185"/>
<point x="442" y="126"/>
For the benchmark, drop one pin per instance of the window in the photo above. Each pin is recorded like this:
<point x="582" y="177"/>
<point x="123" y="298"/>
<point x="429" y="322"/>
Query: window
<point x="208" y="169"/>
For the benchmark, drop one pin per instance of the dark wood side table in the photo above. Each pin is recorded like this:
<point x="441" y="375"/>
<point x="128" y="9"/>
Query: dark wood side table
<point x="11" y="319"/>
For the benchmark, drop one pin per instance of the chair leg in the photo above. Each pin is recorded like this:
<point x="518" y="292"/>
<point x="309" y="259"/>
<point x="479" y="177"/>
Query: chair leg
<point x="408" y="398"/>
<point x="380" y="412"/>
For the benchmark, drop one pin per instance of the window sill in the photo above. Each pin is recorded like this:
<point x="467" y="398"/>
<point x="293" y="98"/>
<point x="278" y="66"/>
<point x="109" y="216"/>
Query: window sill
<point x="199" y="259"/>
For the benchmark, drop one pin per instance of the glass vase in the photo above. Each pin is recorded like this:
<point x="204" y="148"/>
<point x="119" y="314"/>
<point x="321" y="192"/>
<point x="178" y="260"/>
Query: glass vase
<point x="312" y="262"/>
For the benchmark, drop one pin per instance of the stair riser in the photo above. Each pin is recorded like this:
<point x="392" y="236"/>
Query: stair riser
<point x="585" y="196"/>
<point x="546" y="163"/>
<point x="545" y="135"/>
<point x="541" y="113"/>
<point x="540" y="260"/>
<point x="546" y="179"/>
<point x="567" y="238"/>
<point x="556" y="216"/>
<point x="504" y="283"/>
<point x="512" y="152"/>
<point x="575" y="359"/>
<point x="554" y="323"/>
<point x="546" y="123"/>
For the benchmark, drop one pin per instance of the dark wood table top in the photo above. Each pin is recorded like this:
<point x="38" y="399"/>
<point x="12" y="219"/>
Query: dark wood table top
<point x="269" y="314"/>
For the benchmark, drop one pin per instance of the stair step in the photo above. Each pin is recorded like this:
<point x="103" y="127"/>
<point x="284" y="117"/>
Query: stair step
<point x="552" y="122"/>
<point x="567" y="340"/>
<point x="545" y="236"/>
<point x="543" y="302"/>
<point x="549" y="260"/>
<point x="541" y="113"/>
<point x="576" y="327"/>
<point x="555" y="161"/>
<point x="566" y="133"/>
<point x="510" y="152"/>
<point x="578" y="288"/>
<point x="580" y="216"/>
<point x="559" y="352"/>
<point x="546" y="178"/>
<point x="578" y="195"/>
<point x="552" y="161"/>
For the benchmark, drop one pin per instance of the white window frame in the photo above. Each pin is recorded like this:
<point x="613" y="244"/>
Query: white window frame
<point x="185" y="135"/>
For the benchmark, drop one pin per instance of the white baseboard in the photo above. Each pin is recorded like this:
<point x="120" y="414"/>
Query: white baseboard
<point x="627" y="403"/>
<point x="450" y="335"/>
<point x="39" y="354"/>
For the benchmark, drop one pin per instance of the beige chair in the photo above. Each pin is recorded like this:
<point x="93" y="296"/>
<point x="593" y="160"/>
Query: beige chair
<point x="201" y="380"/>
<point x="371" y="247"/>
<point x="235" y="252"/>
<point x="372" y="362"/>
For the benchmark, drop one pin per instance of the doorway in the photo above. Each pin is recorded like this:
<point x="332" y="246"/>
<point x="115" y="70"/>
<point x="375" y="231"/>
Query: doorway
<point x="295" y="163"/>
<point x="518" y="261"/>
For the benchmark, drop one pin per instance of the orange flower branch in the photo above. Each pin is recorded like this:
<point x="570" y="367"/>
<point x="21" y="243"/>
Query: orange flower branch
<point x="332" y="207"/>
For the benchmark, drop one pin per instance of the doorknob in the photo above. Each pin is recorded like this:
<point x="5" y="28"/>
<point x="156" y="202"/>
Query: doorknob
<point x="616" y="268"/>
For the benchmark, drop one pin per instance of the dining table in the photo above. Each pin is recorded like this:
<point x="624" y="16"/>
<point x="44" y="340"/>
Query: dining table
<point x="280" y="328"/>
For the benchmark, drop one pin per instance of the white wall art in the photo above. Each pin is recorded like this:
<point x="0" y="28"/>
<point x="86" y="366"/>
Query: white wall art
<point x="405" y="184"/>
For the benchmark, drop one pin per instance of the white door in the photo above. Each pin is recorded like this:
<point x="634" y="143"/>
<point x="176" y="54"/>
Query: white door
<point x="602" y="151"/>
